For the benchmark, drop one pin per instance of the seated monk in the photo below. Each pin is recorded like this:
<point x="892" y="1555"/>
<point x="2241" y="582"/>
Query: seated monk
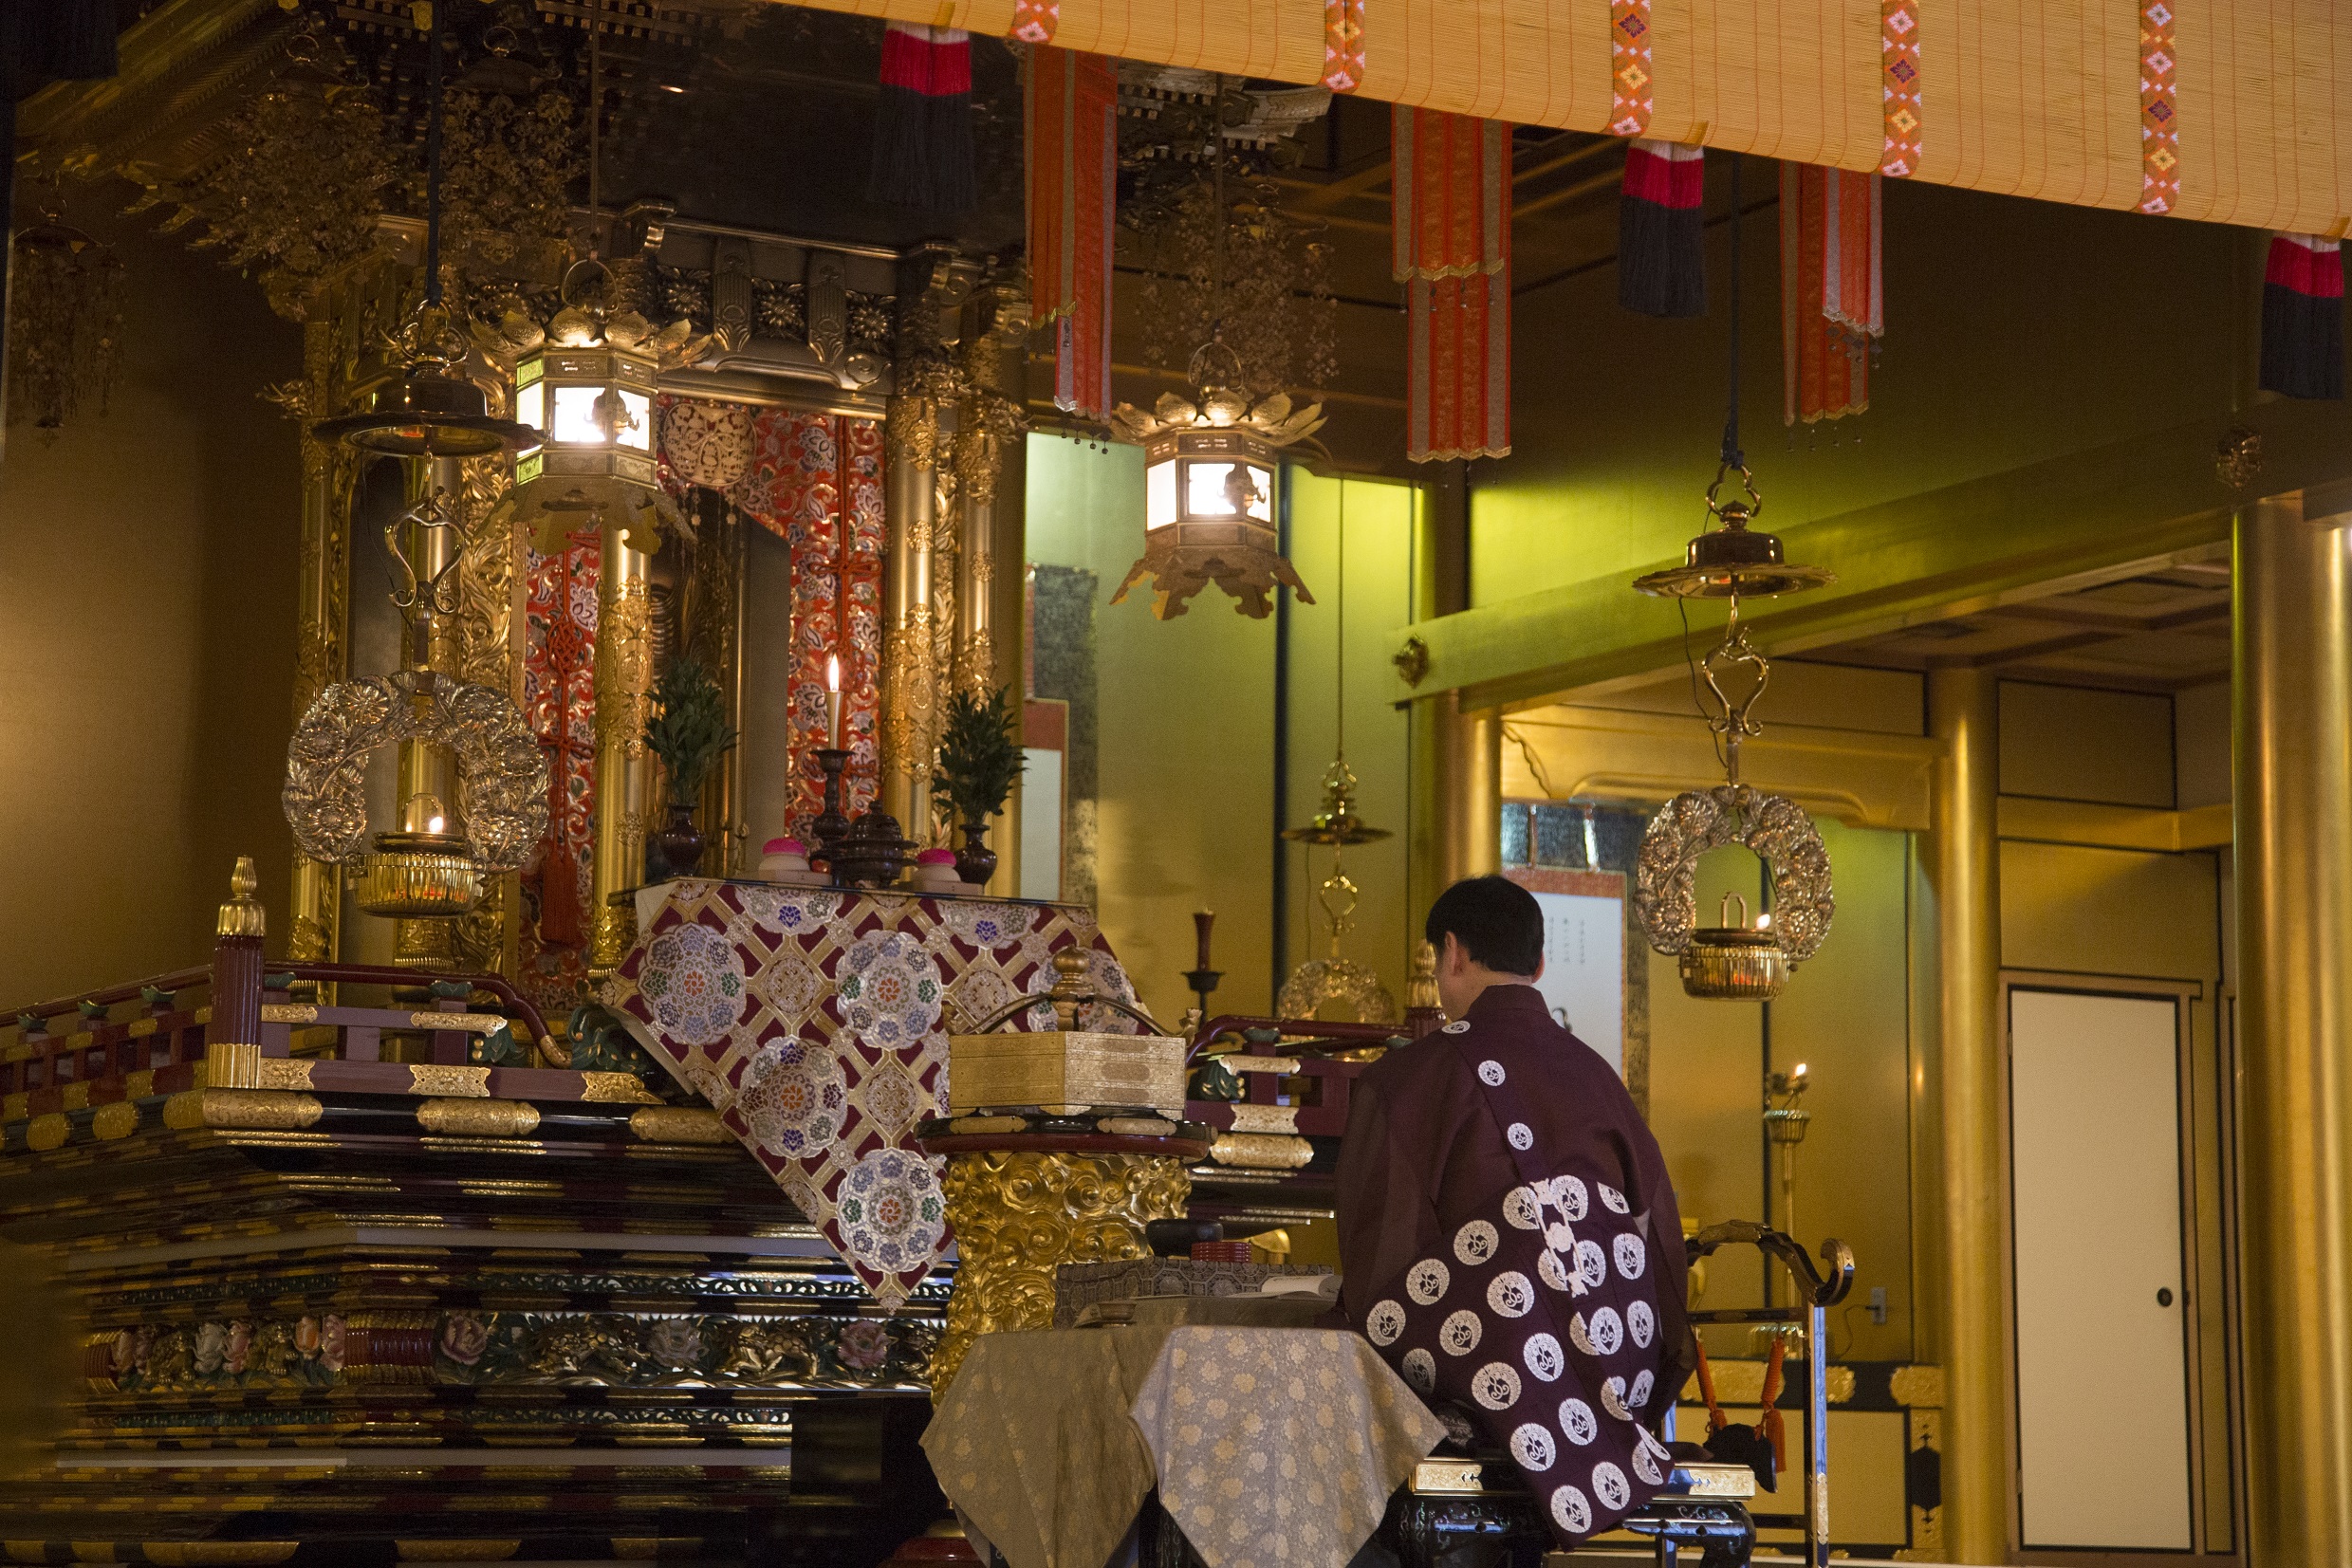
<point x="1508" y="1235"/>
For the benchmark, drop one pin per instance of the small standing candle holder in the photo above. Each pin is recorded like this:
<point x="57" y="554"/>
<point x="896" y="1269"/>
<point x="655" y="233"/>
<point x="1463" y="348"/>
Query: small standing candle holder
<point x="1201" y="978"/>
<point x="831" y="825"/>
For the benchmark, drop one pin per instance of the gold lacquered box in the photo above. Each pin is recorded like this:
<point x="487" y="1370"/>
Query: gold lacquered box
<point x="1065" y="1070"/>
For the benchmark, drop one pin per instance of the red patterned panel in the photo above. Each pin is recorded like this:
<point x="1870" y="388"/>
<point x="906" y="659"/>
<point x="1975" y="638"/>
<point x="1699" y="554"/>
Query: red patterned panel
<point x="811" y="473"/>
<point x="558" y="696"/>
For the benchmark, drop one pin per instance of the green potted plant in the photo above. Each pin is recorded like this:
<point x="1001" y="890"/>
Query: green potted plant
<point x="979" y="759"/>
<point x="687" y="731"/>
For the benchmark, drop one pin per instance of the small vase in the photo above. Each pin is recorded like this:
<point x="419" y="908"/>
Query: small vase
<point x="975" y="863"/>
<point x="679" y="842"/>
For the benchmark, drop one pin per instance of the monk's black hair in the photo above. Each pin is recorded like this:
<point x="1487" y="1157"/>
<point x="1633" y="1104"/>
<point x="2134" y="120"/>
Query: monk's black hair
<point x="1497" y="922"/>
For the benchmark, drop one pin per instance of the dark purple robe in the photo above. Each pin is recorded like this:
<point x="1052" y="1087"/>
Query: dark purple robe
<point x="1510" y="1243"/>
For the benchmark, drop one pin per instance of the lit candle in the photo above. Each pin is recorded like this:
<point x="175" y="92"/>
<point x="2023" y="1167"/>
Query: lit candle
<point x="833" y="701"/>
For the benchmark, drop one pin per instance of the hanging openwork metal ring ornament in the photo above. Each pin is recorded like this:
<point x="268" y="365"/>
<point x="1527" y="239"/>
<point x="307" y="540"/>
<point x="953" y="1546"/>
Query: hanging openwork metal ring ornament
<point x="500" y="767"/>
<point x="1774" y="826"/>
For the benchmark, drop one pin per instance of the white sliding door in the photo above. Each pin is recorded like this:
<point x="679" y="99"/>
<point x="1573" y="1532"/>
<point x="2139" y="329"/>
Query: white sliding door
<point x="2102" y="1395"/>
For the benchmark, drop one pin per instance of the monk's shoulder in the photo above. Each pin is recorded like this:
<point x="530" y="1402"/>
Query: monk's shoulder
<point x="1427" y="1064"/>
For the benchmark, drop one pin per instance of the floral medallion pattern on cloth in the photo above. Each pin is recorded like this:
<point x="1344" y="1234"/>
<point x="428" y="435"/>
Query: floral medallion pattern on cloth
<point x="1541" y="1325"/>
<point x="816" y="1022"/>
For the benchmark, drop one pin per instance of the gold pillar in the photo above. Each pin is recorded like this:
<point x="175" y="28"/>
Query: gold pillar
<point x="427" y="772"/>
<point x="909" y="701"/>
<point x="624" y="673"/>
<point x="2292" y="737"/>
<point x="323" y="602"/>
<point x="1962" y="855"/>
<point x="1010" y="629"/>
<point x="1468" y="785"/>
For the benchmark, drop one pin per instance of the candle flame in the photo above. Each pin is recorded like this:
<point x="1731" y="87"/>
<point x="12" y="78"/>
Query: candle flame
<point x="832" y="672"/>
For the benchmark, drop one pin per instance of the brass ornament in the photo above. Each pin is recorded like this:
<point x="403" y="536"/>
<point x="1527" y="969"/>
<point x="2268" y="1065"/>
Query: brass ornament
<point x="1020" y="1215"/>
<point x="1322" y="981"/>
<point x="1729" y="962"/>
<point x="2237" y="460"/>
<point x="678" y="1124"/>
<point x="478" y="1119"/>
<point x="1776" y="828"/>
<point x="501" y="769"/>
<point x="65" y="323"/>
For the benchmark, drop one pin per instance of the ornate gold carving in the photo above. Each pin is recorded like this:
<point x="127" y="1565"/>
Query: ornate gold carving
<point x="678" y="1124"/>
<point x="2238" y="460"/>
<point x="1918" y="1386"/>
<point x="218" y="1554"/>
<point x="1266" y="1118"/>
<point x="625" y="668"/>
<point x="614" y="1089"/>
<point x="117" y="1119"/>
<point x="1262" y="1151"/>
<point x="258" y="1109"/>
<point x="1412" y="660"/>
<point x="278" y="1072"/>
<point x="288" y="1012"/>
<point x="615" y="933"/>
<point x="502" y="769"/>
<point x="137" y="1085"/>
<point x="436" y="1078"/>
<point x="242" y="915"/>
<point x="1020" y="1215"/>
<point x="47" y="1132"/>
<point x="458" y="1551"/>
<point x="1774" y="826"/>
<point x="473" y="1023"/>
<point x="911" y="432"/>
<point x="479" y="1118"/>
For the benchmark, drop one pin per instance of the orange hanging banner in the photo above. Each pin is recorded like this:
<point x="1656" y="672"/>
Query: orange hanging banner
<point x="1073" y="184"/>
<point x="1832" y="305"/>
<point x="1451" y="248"/>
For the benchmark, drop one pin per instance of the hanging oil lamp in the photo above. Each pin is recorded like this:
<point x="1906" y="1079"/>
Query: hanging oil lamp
<point x="1339" y="826"/>
<point x="1731" y="561"/>
<point x="429" y="871"/>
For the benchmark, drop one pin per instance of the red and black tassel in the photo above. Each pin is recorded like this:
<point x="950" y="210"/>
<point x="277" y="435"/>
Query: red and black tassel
<point x="922" y="127"/>
<point x="2302" y="316"/>
<point x="1661" y="258"/>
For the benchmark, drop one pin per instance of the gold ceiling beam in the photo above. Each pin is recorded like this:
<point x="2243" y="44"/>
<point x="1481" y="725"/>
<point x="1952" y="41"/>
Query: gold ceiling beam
<point x="1860" y="778"/>
<point x="2113" y="826"/>
<point x="2131" y="506"/>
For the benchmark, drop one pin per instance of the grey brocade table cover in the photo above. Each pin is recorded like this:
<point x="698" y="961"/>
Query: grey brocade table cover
<point x="1270" y="1446"/>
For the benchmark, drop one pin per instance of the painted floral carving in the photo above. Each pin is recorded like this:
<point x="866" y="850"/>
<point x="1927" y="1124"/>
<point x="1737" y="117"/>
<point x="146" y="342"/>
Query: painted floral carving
<point x="464" y="1338"/>
<point x="614" y="1350"/>
<point x="305" y="1352"/>
<point x="863" y="1344"/>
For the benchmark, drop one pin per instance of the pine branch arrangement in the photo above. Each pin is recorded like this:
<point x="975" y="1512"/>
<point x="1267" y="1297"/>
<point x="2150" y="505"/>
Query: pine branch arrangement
<point x="979" y="754"/>
<point x="688" y="729"/>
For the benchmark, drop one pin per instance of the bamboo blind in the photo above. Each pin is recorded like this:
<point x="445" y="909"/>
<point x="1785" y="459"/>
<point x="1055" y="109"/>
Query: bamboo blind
<point x="2032" y="97"/>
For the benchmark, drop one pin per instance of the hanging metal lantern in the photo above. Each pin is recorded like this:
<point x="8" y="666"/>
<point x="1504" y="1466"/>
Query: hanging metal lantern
<point x="589" y="384"/>
<point x="1209" y="488"/>
<point x="1734" y="962"/>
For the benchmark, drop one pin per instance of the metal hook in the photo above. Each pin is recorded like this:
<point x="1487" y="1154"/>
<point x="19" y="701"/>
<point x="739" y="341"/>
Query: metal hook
<point x="440" y="593"/>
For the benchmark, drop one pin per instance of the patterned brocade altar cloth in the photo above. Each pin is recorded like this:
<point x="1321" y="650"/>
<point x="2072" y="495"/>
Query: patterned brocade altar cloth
<point x="816" y="1021"/>
<point x="1271" y="1448"/>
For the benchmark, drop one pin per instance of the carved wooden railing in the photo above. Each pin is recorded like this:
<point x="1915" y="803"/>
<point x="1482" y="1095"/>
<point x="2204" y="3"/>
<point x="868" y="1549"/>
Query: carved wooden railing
<point x="241" y="1023"/>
